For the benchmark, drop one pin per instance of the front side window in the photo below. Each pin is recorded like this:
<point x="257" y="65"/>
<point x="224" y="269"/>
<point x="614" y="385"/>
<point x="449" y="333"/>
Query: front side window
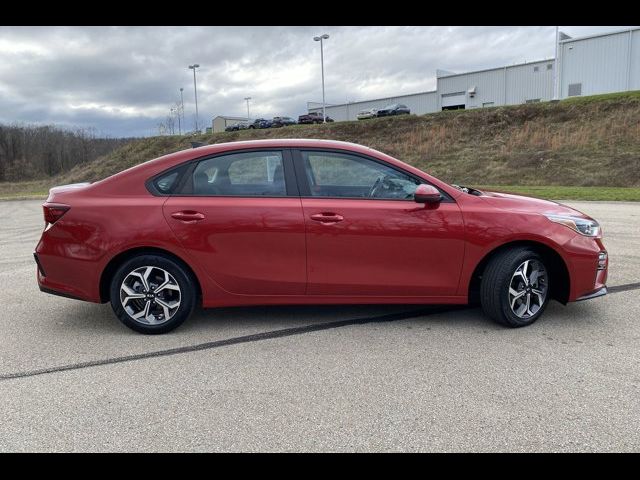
<point x="247" y="174"/>
<point x="332" y="174"/>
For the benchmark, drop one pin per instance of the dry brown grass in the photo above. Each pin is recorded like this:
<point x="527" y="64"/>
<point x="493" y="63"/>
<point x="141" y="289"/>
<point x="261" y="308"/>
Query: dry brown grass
<point x="591" y="141"/>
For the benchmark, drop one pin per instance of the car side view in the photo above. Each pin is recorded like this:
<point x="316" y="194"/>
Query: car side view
<point x="313" y="117"/>
<point x="395" y="109"/>
<point x="368" y="113"/>
<point x="308" y="222"/>
<point x="260" y="123"/>
<point x="278" y="122"/>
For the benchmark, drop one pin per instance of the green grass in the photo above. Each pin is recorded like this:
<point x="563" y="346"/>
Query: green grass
<point x="24" y="190"/>
<point x="570" y="193"/>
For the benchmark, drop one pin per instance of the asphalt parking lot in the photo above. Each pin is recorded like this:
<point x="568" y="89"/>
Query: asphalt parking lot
<point x="72" y="378"/>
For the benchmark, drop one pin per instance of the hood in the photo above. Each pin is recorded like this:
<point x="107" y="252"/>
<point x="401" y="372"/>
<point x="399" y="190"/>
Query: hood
<point x="521" y="203"/>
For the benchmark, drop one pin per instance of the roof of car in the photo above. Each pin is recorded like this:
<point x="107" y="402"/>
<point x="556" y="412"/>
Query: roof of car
<point x="280" y="142"/>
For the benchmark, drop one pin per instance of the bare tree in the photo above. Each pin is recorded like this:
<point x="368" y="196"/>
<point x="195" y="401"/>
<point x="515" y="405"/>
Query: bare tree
<point x="29" y="152"/>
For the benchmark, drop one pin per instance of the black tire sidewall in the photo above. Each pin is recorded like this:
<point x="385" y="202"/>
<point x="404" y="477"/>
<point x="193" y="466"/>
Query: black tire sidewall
<point x="182" y="276"/>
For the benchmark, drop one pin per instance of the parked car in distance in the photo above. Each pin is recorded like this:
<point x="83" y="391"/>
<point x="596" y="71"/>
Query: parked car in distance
<point x="395" y="109"/>
<point x="369" y="113"/>
<point x="260" y="123"/>
<point x="313" y="117"/>
<point x="235" y="127"/>
<point x="238" y="224"/>
<point x="282" y="122"/>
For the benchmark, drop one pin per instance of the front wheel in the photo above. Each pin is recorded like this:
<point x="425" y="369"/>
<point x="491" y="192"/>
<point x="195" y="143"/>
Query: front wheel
<point x="153" y="294"/>
<point x="514" y="290"/>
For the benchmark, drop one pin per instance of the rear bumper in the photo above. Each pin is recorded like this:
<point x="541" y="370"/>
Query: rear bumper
<point x="71" y="279"/>
<point x="595" y="294"/>
<point x="58" y="293"/>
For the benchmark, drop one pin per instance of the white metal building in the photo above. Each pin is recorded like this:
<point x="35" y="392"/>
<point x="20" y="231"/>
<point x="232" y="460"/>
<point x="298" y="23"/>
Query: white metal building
<point x="600" y="63"/>
<point x="221" y="122"/>
<point x="586" y="66"/>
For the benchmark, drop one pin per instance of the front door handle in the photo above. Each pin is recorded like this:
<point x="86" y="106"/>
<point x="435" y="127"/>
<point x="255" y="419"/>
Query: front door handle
<point x="327" y="217"/>
<point x="188" y="216"/>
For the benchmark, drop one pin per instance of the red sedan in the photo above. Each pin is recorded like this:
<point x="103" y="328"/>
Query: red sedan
<point x="308" y="222"/>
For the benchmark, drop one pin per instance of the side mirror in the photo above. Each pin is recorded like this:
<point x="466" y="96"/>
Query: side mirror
<point x="427" y="194"/>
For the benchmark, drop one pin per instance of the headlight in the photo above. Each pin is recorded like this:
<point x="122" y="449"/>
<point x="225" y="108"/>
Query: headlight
<point x="584" y="226"/>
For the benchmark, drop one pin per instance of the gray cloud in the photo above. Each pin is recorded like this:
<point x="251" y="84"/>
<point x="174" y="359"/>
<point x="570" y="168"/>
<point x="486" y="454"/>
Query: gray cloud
<point x="123" y="80"/>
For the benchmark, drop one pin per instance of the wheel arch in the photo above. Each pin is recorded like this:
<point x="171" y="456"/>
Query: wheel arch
<point x="113" y="264"/>
<point x="559" y="272"/>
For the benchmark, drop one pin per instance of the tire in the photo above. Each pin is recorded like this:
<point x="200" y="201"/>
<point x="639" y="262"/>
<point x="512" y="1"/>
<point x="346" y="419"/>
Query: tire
<point x="180" y="286"/>
<point x="503" y="284"/>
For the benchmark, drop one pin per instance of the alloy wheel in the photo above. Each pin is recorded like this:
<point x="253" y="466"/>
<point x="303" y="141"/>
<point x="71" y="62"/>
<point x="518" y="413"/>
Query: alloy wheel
<point x="528" y="289"/>
<point x="150" y="295"/>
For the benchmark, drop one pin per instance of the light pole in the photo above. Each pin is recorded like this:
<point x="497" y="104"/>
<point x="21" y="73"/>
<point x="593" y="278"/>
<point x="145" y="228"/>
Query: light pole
<point x="555" y="70"/>
<point x="319" y="39"/>
<point x="176" y="110"/>
<point x="195" y="91"/>
<point x="182" y="105"/>
<point x="247" y="100"/>
<point x="172" y="125"/>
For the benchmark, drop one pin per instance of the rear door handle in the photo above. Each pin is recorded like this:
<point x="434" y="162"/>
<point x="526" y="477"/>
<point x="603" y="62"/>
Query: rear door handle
<point x="327" y="217"/>
<point x="188" y="216"/>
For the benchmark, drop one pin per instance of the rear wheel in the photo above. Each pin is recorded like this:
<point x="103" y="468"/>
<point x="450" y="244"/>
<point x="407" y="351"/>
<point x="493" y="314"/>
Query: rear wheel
<point x="152" y="294"/>
<point x="514" y="290"/>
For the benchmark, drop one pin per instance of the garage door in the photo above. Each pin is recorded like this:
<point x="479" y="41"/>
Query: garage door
<point x="453" y="99"/>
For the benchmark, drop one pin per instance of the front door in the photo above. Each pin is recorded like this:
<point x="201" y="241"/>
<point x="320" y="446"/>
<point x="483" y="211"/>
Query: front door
<point x="367" y="237"/>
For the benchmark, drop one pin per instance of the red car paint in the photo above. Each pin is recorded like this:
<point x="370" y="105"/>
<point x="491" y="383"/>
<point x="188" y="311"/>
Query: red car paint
<point x="301" y="250"/>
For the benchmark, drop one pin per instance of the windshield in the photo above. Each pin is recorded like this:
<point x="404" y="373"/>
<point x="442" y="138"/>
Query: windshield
<point x="469" y="190"/>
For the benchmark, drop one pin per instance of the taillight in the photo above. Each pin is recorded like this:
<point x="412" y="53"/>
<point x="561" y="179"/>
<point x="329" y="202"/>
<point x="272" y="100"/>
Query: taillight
<point x="54" y="212"/>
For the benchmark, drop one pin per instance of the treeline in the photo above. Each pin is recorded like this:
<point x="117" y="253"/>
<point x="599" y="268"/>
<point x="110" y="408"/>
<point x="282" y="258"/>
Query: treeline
<point x="29" y="152"/>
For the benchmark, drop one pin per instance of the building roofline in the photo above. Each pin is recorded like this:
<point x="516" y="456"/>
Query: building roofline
<point x="596" y="35"/>
<point x="544" y="60"/>
<point x="375" y="99"/>
<point x="226" y="117"/>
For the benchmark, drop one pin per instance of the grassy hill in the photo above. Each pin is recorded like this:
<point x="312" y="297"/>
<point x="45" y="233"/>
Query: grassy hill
<point x="580" y="142"/>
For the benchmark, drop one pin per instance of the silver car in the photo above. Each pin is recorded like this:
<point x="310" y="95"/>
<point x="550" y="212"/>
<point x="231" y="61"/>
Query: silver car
<point x="369" y="113"/>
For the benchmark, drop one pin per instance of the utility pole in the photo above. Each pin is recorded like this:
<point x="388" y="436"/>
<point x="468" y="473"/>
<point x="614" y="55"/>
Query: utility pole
<point x="319" y="39"/>
<point x="195" y="91"/>
<point x="182" y="104"/>
<point x="247" y="100"/>
<point x="555" y="70"/>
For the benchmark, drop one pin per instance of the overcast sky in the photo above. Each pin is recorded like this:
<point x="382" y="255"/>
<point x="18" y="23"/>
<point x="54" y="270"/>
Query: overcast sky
<point x="122" y="81"/>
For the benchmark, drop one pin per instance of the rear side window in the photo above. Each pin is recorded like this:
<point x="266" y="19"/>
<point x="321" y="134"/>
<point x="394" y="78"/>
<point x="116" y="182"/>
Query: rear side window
<point x="247" y="174"/>
<point x="167" y="183"/>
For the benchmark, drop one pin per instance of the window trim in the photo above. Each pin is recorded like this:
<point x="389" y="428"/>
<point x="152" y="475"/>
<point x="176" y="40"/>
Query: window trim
<point x="184" y="187"/>
<point x="305" y="189"/>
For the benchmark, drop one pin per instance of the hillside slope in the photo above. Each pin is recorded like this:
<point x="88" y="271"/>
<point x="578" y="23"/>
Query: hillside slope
<point x="591" y="141"/>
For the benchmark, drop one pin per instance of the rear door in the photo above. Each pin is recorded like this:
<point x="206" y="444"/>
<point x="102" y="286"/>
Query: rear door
<point x="365" y="234"/>
<point x="239" y="215"/>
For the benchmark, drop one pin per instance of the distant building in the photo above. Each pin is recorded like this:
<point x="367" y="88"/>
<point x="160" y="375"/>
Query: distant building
<point x="595" y="64"/>
<point x="221" y="122"/>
